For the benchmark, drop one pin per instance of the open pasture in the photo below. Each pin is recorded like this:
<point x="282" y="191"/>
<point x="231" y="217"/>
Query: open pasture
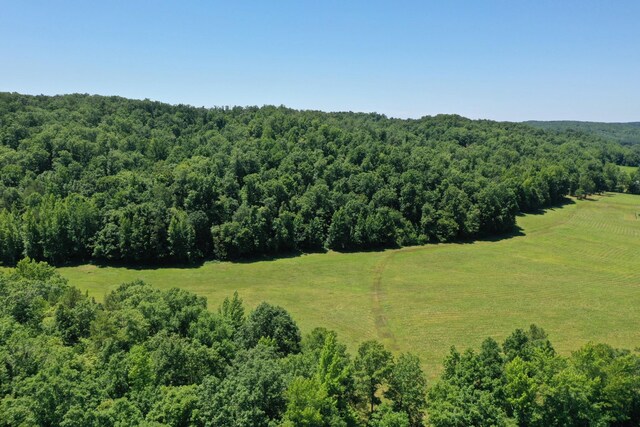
<point x="574" y="270"/>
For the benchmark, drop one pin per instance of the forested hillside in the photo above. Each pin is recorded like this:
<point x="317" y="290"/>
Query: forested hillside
<point x="147" y="357"/>
<point x="624" y="133"/>
<point x="116" y="180"/>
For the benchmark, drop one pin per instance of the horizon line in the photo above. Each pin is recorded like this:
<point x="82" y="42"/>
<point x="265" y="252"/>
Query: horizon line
<point x="390" y="117"/>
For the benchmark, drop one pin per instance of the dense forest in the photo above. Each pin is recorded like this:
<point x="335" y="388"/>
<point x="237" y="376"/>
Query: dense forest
<point x="624" y="133"/>
<point x="115" y="180"/>
<point x="159" y="358"/>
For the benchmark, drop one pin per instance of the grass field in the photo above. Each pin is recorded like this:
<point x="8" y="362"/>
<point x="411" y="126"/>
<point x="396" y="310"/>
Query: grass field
<point x="629" y="169"/>
<point x="575" y="271"/>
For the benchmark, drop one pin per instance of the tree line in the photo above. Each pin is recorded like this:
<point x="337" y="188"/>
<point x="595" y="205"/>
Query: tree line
<point x="624" y="133"/>
<point x="147" y="357"/>
<point x="114" y="180"/>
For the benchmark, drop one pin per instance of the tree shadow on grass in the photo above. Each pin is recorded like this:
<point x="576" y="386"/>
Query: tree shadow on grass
<point x="199" y="263"/>
<point x="136" y="265"/>
<point x="541" y="211"/>
<point x="607" y="194"/>
<point x="517" y="231"/>
<point x="273" y="257"/>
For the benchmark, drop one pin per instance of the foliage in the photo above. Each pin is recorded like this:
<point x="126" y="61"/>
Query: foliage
<point x="159" y="358"/>
<point x="625" y="133"/>
<point x="407" y="388"/>
<point x="123" y="181"/>
<point x="310" y="405"/>
<point x="273" y="322"/>
<point x="372" y="368"/>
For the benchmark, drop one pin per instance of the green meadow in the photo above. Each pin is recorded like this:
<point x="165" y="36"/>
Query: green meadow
<point x="629" y="169"/>
<point x="574" y="270"/>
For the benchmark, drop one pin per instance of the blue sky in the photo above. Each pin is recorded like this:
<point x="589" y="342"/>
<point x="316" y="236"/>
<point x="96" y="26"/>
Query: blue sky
<point x="501" y="60"/>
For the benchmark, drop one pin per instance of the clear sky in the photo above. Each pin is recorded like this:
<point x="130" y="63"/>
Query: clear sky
<point x="502" y="60"/>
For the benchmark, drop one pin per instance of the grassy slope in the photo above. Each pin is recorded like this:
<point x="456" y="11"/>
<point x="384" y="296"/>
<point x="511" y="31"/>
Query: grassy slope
<point x="575" y="272"/>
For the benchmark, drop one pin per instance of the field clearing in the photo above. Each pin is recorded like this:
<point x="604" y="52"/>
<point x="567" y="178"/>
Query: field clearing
<point x="629" y="169"/>
<point x="575" y="271"/>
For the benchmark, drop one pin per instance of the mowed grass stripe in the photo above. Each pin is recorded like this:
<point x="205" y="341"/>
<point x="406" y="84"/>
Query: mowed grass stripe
<point x="575" y="271"/>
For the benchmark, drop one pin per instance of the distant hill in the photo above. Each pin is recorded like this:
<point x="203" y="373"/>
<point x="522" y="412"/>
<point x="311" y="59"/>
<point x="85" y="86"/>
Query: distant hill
<point x="624" y="133"/>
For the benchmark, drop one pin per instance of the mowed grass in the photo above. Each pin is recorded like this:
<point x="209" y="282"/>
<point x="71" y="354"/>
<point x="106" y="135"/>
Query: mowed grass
<point x="574" y="270"/>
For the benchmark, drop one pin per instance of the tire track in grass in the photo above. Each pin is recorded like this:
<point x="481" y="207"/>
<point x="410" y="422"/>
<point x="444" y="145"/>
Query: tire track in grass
<point x="377" y="294"/>
<point x="383" y="331"/>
